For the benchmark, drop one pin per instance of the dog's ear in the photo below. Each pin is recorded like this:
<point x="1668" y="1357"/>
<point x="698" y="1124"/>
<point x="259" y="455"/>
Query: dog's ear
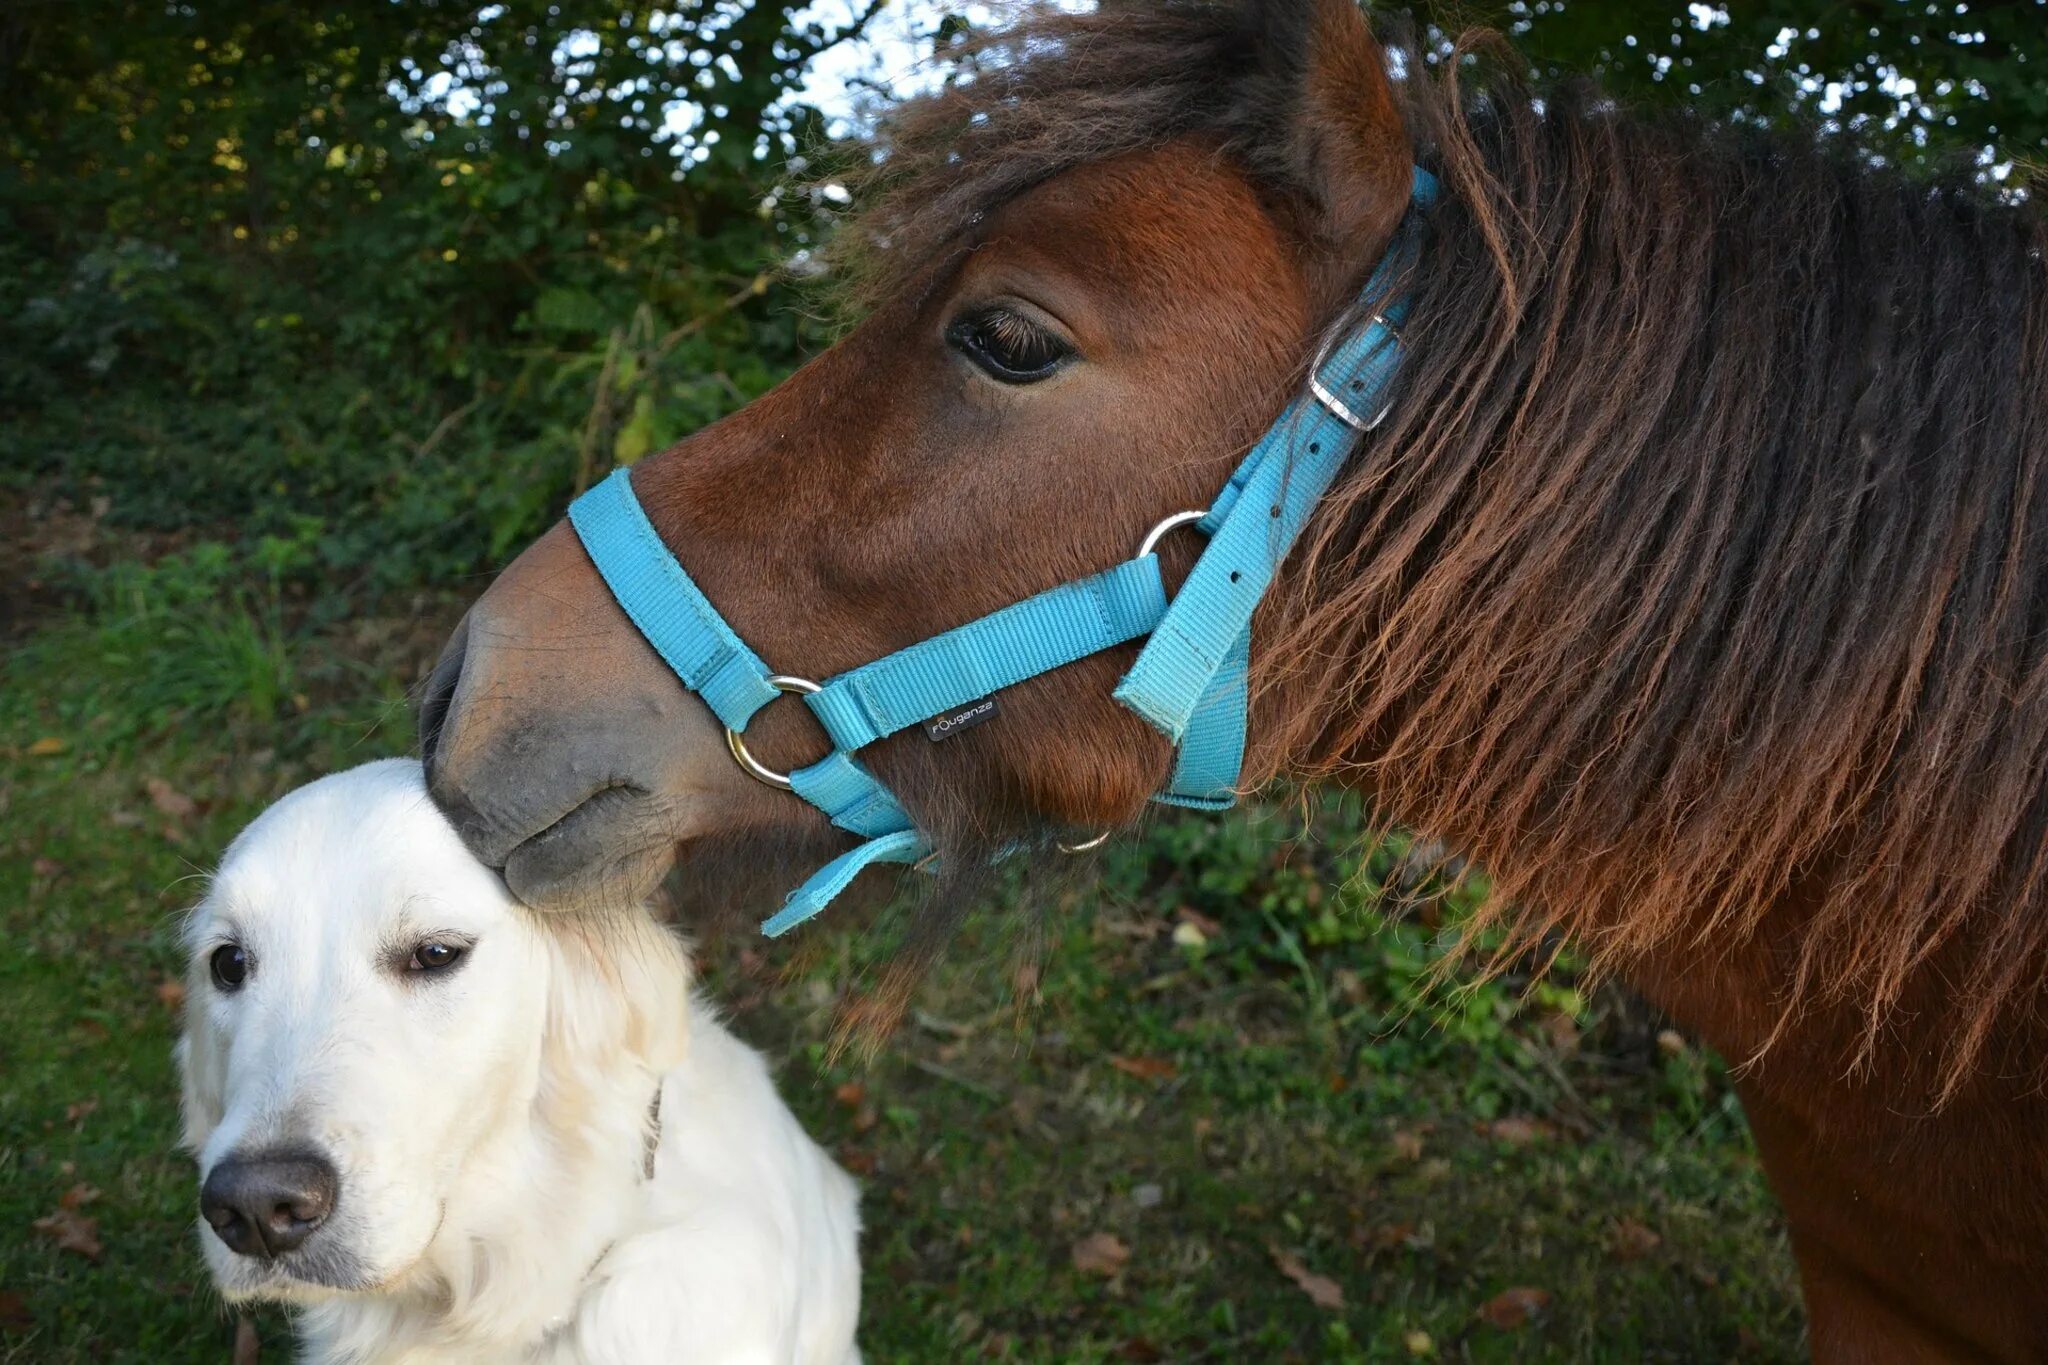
<point x="619" y="990"/>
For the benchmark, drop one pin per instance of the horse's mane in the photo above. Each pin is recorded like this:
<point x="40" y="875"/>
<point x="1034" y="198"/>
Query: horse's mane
<point x="1699" y="569"/>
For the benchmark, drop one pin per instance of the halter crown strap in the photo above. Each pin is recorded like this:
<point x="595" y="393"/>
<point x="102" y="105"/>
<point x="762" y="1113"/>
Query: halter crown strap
<point x="1188" y="681"/>
<point x="1193" y="664"/>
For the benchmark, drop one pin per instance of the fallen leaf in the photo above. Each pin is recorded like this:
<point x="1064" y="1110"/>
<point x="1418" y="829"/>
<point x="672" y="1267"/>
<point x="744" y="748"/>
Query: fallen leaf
<point x="169" y="799"/>
<point x="1186" y="935"/>
<point x="1418" y="1343"/>
<point x="1209" y="928"/>
<point x="170" y="993"/>
<point x="14" y="1314"/>
<point x="1671" y="1042"/>
<point x="78" y="1196"/>
<point x="1632" y="1241"/>
<point x="49" y="746"/>
<point x="46" y="867"/>
<point x="1384" y="1238"/>
<point x="1322" y="1291"/>
<point x="72" y="1231"/>
<point x="851" y="1094"/>
<point x="78" y="1109"/>
<point x="1146" y="1068"/>
<point x="1512" y="1308"/>
<point x="1563" y="1032"/>
<point x="1142" y="1349"/>
<point x="856" y="1161"/>
<point x="1100" y="1253"/>
<point x="1519" y="1130"/>
<point x="1408" y="1143"/>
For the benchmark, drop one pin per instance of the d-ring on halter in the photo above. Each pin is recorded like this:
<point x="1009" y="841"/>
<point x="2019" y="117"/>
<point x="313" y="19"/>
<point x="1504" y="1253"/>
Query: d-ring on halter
<point x="1189" y="678"/>
<point x="754" y="767"/>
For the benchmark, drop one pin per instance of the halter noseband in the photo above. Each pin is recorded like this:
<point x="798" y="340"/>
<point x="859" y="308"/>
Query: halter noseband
<point x="1188" y="681"/>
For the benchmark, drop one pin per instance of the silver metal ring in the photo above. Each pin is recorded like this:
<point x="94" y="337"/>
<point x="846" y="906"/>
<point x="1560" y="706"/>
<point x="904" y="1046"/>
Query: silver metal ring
<point x="1158" y="533"/>
<point x="753" y="766"/>
<point x="1097" y="842"/>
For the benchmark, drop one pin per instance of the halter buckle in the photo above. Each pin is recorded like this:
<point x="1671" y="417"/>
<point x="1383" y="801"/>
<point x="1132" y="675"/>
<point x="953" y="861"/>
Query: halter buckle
<point x="1336" y="405"/>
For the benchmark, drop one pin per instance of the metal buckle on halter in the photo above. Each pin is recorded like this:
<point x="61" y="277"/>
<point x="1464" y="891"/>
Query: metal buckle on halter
<point x="1330" y="400"/>
<point x="754" y="767"/>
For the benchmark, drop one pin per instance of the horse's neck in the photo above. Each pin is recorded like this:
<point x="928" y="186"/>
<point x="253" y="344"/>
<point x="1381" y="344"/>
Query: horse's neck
<point x="532" y="1213"/>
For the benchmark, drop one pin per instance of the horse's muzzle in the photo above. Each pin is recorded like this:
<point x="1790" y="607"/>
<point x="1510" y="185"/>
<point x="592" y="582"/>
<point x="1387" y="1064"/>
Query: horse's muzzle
<point x="559" y="744"/>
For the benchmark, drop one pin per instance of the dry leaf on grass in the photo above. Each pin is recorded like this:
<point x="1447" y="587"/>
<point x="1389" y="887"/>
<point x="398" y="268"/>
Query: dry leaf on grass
<point x="1512" y="1308"/>
<point x="1519" y="1130"/>
<point x="1632" y="1240"/>
<point x="49" y="746"/>
<point x="78" y="1196"/>
<point x="1408" y="1143"/>
<point x="1100" y="1253"/>
<point x="1146" y="1068"/>
<point x="852" y="1094"/>
<point x="169" y="799"/>
<point x="1418" y="1343"/>
<point x="72" y="1231"/>
<point x="170" y="993"/>
<point x="1322" y="1291"/>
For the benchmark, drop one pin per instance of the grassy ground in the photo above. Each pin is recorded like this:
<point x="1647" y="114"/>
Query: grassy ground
<point x="1235" y="1126"/>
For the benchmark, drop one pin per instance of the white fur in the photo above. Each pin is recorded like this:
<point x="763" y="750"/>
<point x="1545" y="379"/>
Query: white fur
<point x="489" y="1122"/>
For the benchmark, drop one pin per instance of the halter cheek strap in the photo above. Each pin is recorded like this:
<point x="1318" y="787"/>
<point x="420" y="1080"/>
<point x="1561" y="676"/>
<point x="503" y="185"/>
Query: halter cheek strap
<point x="1188" y="681"/>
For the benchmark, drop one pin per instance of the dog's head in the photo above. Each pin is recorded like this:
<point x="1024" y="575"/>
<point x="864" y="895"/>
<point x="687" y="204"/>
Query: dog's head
<point x="371" y="1022"/>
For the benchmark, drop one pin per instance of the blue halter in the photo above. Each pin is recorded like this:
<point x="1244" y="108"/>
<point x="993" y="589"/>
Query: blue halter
<point x="1188" y="681"/>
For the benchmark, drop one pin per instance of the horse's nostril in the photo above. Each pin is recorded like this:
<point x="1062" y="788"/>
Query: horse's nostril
<point x="439" y="693"/>
<point x="265" y="1206"/>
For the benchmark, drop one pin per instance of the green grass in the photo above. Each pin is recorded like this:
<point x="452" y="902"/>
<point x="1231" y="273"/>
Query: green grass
<point x="1287" y="1089"/>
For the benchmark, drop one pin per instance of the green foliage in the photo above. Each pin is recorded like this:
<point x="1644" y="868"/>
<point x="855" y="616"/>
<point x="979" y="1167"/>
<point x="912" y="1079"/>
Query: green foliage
<point x="416" y="269"/>
<point x="1923" y="83"/>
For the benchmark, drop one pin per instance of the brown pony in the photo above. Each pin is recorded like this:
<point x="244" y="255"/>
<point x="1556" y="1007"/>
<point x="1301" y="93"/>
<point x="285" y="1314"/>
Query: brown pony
<point x="1696" y="582"/>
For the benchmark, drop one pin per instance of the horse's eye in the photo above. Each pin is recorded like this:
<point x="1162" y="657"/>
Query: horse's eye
<point x="229" y="965"/>
<point x="434" y="956"/>
<point x="1009" y="346"/>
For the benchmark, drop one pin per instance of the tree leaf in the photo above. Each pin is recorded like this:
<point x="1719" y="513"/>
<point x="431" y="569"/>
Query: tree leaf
<point x="1324" y="1292"/>
<point x="1146" y="1068"/>
<point x="72" y="1231"/>
<point x="1513" y="1308"/>
<point x="1100" y="1253"/>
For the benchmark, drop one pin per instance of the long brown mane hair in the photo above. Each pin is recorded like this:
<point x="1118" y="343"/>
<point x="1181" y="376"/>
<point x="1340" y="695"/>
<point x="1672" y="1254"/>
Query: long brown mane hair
<point x="1699" y="568"/>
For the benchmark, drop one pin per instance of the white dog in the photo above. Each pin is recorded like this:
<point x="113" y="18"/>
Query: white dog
<point x="457" y="1131"/>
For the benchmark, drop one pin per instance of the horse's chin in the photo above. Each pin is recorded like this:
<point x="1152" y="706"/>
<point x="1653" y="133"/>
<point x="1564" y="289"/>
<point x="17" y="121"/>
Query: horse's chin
<point x="611" y="849"/>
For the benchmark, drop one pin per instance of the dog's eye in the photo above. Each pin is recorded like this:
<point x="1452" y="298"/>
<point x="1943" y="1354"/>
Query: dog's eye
<point x="433" y="957"/>
<point x="229" y="965"/>
<point x="1009" y="346"/>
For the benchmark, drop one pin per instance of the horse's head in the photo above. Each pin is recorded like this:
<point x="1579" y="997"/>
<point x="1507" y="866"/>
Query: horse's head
<point x="1103" y="266"/>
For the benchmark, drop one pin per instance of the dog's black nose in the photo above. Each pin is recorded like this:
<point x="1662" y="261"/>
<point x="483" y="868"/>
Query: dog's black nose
<point x="264" y="1206"/>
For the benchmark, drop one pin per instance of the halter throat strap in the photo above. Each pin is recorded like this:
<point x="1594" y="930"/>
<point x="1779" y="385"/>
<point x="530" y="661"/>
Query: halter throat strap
<point x="1189" y="681"/>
